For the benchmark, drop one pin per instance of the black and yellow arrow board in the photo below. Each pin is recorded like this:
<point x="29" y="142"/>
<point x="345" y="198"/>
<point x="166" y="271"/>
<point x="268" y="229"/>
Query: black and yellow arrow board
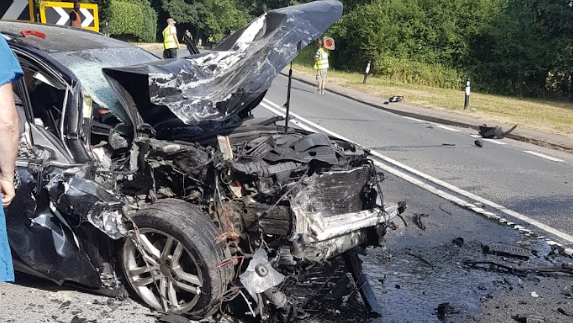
<point x="58" y="13"/>
<point x="17" y="10"/>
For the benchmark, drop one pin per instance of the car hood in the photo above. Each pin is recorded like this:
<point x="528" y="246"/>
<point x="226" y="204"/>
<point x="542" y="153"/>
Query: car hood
<point x="216" y="86"/>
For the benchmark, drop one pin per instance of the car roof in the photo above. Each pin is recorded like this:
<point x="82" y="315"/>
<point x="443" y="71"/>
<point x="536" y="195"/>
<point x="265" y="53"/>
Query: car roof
<point x="58" y="38"/>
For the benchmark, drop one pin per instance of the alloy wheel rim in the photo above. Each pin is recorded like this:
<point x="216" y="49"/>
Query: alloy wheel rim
<point x="163" y="273"/>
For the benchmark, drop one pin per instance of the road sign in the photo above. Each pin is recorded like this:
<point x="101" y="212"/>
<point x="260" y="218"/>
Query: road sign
<point x="58" y="13"/>
<point x="17" y="10"/>
<point x="328" y="43"/>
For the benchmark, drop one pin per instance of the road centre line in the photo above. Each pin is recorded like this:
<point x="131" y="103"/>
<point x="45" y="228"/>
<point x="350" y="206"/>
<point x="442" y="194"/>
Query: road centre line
<point x="495" y="141"/>
<point x="448" y="128"/>
<point x="543" y="156"/>
<point x="281" y="113"/>
<point x="276" y="108"/>
<point x="416" y="120"/>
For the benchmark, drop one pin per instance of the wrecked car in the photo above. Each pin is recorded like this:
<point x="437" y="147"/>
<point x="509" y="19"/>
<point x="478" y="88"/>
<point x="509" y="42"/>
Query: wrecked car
<point x="153" y="176"/>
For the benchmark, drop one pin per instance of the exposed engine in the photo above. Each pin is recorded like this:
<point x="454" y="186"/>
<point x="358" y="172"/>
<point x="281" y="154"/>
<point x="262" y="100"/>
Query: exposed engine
<point x="281" y="201"/>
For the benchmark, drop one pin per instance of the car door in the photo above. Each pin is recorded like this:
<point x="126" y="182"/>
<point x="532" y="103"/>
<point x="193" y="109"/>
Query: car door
<point x="42" y="239"/>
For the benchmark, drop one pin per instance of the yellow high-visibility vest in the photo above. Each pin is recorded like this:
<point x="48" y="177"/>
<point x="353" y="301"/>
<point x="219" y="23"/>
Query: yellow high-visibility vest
<point x="322" y="60"/>
<point x="169" y="38"/>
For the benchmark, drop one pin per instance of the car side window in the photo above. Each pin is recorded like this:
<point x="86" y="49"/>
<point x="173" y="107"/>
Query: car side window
<point x="38" y="141"/>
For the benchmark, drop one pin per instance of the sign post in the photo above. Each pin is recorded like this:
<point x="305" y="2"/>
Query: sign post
<point x="17" y="10"/>
<point x="58" y="13"/>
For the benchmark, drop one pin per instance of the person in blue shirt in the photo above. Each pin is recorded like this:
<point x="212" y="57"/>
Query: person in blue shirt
<point x="10" y="71"/>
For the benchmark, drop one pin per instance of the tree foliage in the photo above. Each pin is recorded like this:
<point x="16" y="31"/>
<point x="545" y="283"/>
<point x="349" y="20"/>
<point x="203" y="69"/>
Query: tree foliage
<point x="207" y="17"/>
<point x="132" y="19"/>
<point x="518" y="47"/>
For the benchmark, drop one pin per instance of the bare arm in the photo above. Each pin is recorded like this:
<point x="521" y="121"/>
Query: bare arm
<point x="176" y="40"/>
<point x="8" y="142"/>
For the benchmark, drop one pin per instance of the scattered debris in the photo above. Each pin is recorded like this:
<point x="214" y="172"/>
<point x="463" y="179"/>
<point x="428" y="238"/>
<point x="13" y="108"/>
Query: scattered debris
<point x="172" y="318"/>
<point x="534" y="294"/>
<point x="506" y="250"/>
<point x="478" y="143"/>
<point x="564" y="312"/>
<point x="397" y="286"/>
<point x="420" y="258"/>
<point x="395" y="99"/>
<point x="459" y="241"/>
<point x="528" y="318"/>
<point x="430" y="127"/>
<point x="65" y="305"/>
<point x="76" y="319"/>
<point x="441" y="208"/>
<point x="445" y="309"/>
<point x="494" y="132"/>
<point x="524" y="271"/>
<point x="418" y="220"/>
<point x="450" y="145"/>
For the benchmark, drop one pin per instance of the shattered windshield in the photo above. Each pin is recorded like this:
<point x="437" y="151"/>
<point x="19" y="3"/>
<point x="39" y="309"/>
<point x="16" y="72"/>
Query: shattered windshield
<point x="87" y="66"/>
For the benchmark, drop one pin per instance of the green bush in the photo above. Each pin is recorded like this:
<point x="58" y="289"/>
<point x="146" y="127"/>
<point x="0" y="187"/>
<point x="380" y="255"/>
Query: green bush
<point x="125" y="19"/>
<point x="133" y="19"/>
<point x="148" y="32"/>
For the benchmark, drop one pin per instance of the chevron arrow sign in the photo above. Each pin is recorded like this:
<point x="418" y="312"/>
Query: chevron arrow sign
<point x="17" y="10"/>
<point x="58" y="13"/>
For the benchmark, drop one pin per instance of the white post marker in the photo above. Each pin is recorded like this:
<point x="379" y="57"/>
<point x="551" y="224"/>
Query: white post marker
<point x="467" y="100"/>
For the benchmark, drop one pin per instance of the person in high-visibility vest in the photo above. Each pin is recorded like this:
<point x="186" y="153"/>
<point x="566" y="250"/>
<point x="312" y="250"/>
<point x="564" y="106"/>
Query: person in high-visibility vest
<point x="321" y="66"/>
<point x="211" y="41"/>
<point x="75" y="18"/>
<point x="170" y="41"/>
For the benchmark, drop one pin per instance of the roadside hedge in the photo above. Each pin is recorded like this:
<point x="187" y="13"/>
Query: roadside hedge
<point x="133" y="19"/>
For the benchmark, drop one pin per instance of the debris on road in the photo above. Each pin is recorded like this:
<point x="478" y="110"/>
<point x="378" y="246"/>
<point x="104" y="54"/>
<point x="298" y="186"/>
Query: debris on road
<point x="534" y="294"/>
<point x="172" y="318"/>
<point x="506" y="250"/>
<point x="478" y="143"/>
<point x="523" y="271"/>
<point x="495" y="132"/>
<point x="446" y="144"/>
<point x="445" y="309"/>
<point x="394" y="99"/>
<point x="459" y="241"/>
<point x="417" y="218"/>
<point x="564" y="312"/>
<point x="528" y="318"/>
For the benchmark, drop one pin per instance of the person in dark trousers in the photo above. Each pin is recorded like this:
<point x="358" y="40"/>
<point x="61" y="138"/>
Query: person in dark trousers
<point x="170" y="41"/>
<point x="75" y="18"/>
<point x="9" y="73"/>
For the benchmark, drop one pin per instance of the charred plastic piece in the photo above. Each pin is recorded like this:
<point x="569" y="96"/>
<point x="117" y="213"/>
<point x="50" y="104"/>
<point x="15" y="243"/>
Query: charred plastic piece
<point x="506" y="251"/>
<point x="494" y="132"/>
<point x="418" y="220"/>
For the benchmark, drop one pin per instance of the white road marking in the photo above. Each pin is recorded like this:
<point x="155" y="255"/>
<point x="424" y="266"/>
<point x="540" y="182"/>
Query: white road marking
<point x="448" y="128"/>
<point x="433" y="189"/>
<point x="414" y="119"/>
<point x="283" y="114"/>
<point x="495" y="141"/>
<point x="543" y="156"/>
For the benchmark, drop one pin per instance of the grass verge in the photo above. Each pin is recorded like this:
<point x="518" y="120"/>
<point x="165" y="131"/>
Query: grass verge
<point x="543" y="115"/>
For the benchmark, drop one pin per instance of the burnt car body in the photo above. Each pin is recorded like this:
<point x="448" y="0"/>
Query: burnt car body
<point x="153" y="172"/>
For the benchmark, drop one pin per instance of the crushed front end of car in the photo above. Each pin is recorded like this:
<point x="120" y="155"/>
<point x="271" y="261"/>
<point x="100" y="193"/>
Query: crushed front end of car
<point x="203" y="208"/>
<point x="267" y="203"/>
